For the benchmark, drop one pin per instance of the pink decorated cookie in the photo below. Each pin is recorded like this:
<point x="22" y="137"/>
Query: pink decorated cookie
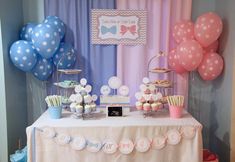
<point x="147" y="107"/>
<point x="139" y="105"/>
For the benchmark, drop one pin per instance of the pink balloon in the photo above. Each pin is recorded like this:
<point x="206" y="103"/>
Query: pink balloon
<point x="173" y="62"/>
<point x="208" y="28"/>
<point x="190" y="54"/>
<point x="211" y="66"/>
<point x="183" y="30"/>
<point x="212" y="47"/>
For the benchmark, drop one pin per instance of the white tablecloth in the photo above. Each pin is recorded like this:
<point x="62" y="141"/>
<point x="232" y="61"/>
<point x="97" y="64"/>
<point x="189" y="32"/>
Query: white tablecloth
<point x="132" y="127"/>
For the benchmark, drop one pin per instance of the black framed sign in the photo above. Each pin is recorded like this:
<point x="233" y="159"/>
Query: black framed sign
<point x="114" y="111"/>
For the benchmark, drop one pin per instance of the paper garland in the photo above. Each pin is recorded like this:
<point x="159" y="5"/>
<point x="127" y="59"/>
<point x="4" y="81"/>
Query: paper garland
<point x="78" y="143"/>
<point x="142" y="144"/>
<point x="158" y="142"/>
<point x="125" y="146"/>
<point x="110" y="146"/>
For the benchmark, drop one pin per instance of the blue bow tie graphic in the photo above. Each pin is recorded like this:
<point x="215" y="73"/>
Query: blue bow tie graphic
<point x="112" y="29"/>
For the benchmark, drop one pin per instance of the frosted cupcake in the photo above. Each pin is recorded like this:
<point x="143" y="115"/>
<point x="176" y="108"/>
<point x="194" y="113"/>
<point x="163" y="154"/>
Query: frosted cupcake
<point x="142" y="99"/>
<point x="139" y="105"/>
<point x="147" y="107"/>
<point x="147" y="91"/>
<point x="155" y="106"/>
<point x="87" y="109"/>
<point x="93" y="107"/>
<point x="79" y="108"/>
<point x="72" y="107"/>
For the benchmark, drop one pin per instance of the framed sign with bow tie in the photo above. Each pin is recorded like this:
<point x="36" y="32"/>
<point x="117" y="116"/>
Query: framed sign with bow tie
<point x="118" y="26"/>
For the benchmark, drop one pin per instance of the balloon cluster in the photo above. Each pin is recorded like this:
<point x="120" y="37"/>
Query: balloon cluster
<point x="197" y="46"/>
<point x="40" y="48"/>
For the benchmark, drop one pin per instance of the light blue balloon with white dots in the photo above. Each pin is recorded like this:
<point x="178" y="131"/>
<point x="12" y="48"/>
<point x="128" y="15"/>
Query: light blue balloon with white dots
<point x="26" y="31"/>
<point x="46" y="40"/>
<point x="23" y="55"/>
<point x="57" y="23"/>
<point x="65" y="56"/>
<point x="43" y="68"/>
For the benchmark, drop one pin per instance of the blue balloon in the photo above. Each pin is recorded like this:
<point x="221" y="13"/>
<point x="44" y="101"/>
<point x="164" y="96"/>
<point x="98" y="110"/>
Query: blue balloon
<point x="65" y="56"/>
<point x="46" y="40"/>
<point x="43" y="68"/>
<point x="57" y="23"/>
<point x="26" y="31"/>
<point x="23" y="55"/>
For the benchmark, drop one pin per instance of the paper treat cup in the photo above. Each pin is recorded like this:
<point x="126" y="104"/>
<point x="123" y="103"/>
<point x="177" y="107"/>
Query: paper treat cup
<point x="55" y="112"/>
<point x="175" y="111"/>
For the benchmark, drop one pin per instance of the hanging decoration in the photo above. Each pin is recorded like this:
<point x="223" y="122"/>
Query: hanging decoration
<point x="125" y="146"/>
<point x="197" y="46"/>
<point x="118" y="26"/>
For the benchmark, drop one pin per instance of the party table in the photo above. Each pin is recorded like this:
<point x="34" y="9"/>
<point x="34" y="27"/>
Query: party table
<point x="133" y="138"/>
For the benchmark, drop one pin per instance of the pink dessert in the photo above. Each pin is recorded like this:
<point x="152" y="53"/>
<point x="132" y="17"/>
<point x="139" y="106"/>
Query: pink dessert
<point x="147" y="107"/>
<point x="155" y="106"/>
<point x="139" y="105"/>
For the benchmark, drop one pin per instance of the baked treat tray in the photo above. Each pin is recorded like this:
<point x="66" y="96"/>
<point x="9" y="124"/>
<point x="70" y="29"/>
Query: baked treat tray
<point x="65" y="85"/>
<point x="161" y="83"/>
<point x="70" y="71"/>
<point x="160" y="70"/>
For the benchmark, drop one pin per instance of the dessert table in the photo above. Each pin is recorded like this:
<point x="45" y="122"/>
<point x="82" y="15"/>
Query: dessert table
<point x="170" y="140"/>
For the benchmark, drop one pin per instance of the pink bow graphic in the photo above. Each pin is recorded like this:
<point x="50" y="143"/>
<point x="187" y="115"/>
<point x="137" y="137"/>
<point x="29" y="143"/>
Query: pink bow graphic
<point x="131" y="29"/>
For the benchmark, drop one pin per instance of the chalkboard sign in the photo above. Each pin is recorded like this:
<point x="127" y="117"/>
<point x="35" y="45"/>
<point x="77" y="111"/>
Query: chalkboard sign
<point x="114" y="111"/>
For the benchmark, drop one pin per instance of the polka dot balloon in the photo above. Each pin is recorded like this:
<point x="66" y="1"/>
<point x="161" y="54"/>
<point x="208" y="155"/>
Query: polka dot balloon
<point x="23" y="55"/>
<point x="65" y="56"/>
<point x="57" y="23"/>
<point x="43" y="68"/>
<point x="26" y="31"/>
<point x="211" y="67"/>
<point x="173" y="62"/>
<point x="190" y="54"/>
<point x="46" y="40"/>
<point x="208" y="28"/>
<point x="183" y="30"/>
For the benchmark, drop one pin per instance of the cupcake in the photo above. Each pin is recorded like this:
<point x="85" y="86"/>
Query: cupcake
<point x="142" y="99"/>
<point x="87" y="109"/>
<point x="155" y="106"/>
<point x="139" y="105"/>
<point x="72" y="107"/>
<point x="79" y="108"/>
<point x="93" y="107"/>
<point x="147" y="91"/>
<point x="147" y="107"/>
